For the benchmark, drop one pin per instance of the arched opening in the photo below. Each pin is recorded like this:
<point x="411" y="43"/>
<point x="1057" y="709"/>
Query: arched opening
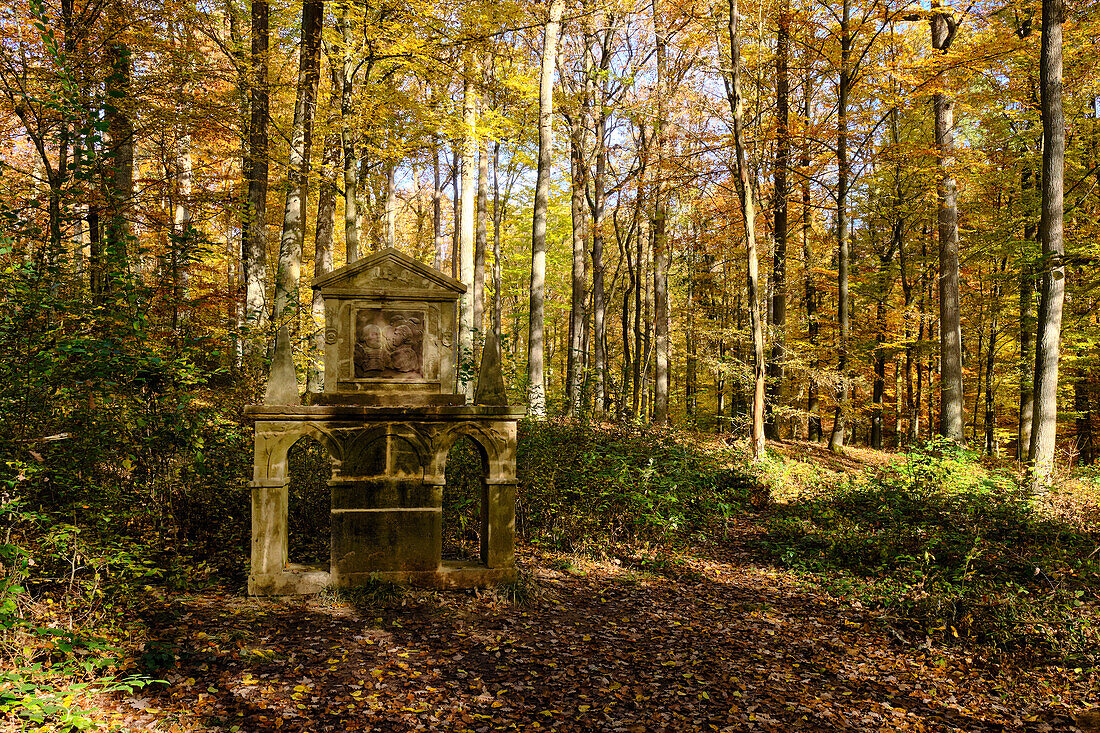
<point x="309" y="503"/>
<point x="464" y="503"/>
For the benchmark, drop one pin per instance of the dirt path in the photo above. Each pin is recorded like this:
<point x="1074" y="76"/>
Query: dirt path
<point x="607" y="648"/>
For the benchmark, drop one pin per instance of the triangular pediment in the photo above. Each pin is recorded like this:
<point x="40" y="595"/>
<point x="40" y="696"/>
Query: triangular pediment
<point x="388" y="269"/>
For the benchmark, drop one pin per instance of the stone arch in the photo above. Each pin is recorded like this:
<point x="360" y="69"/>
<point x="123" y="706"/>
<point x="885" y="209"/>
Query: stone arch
<point x="486" y="442"/>
<point x="272" y="449"/>
<point x="383" y="449"/>
<point x="309" y="472"/>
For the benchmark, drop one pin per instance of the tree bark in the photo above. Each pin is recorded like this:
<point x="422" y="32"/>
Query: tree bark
<point x="324" y="237"/>
<point x="1048" y="340"/>
<point x="813" y="421"/>
<point x="578" y="318"/>
<point x="744" y="193"/>
<point x="481" y="242"/>
<point x="438" y="242"/>
<point x="301" y="143"/>
<point x="991" y="354"/>
<point x="781" y="194"/>
<point x="660" y="234"/>
<point x="836" y="438"/>
<point x="347" y="134"/>
<point x="498" y="217"/>
<point x="951" y="367"/>
<point x="256" y="173"/>
<point x="468" y="193"/>
<point x="536" y="389"/>
<point x="600" y="397"/>
<point x="120" y="185"/>
<point x="1027" y="335"/>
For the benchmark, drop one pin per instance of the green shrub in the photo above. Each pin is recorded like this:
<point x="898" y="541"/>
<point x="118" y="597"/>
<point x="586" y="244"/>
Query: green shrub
<point x="952" y="548"/>
<point x="582" y="485"/>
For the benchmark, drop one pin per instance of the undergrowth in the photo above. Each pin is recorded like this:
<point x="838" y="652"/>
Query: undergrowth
<point x="951" y="550"/>
<point x="585" y="487"/>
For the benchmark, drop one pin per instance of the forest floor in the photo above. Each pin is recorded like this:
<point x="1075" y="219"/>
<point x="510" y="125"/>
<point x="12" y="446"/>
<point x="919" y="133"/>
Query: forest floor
<point x="709" y="638"/>
<point x="712" y="641"/>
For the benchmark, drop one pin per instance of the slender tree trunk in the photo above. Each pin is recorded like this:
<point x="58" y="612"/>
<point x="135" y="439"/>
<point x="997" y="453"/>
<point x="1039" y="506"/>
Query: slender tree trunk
<point x="120" y="187"/>
<point x="469" y="222"/>
<point x="301" y="142"/>
<point x="456" y="213"/>
<point x="625" y="249"/>
<point x="481" y="241"/>
<point x="601" y="399"/>
<point x="782" y="192"/>
<point x="813" y="422"/>
<point x="389" y="234"/>
<point x="991" y="354"/>
<point x="1082" y="405"/>
<point x="498" y="217"/>
<point x="439" y="243"/>
<point x="1048" y="341"/>
<point x="951" y="377"/>
<point x="536" y="394"/>
<point x="328" y="190"/>
<point x="347" y="133"/>
<point x="578" y="318"/>
<point x="255" y="255"/>
<point x="1027" y="339"/>
<point x="640" y="294"/>
<point x="744" y="193"/>
<point x="661" y="252"/>
<point x="907" y="317"/>
<point x="878" y="387"/>
<point x="836" y="438"/>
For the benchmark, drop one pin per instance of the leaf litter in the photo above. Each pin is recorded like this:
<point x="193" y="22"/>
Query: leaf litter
<point x="724" y="645"/>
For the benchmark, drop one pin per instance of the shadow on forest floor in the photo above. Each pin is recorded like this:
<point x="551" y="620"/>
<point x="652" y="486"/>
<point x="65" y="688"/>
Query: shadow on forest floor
<point x="729" y="645"/>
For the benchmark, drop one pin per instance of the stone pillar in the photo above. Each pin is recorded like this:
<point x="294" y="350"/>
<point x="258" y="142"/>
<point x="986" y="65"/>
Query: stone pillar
<point x="498" y="509"/>
<point x="272" y="574"/>
<point x="269" y="535"/>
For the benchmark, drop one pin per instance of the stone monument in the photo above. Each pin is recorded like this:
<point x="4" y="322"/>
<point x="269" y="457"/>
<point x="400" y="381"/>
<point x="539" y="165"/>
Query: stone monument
<point x="388" y="416"/>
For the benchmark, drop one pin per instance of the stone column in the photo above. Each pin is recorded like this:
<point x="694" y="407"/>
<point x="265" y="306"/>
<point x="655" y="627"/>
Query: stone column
<point x="498" y="507"/>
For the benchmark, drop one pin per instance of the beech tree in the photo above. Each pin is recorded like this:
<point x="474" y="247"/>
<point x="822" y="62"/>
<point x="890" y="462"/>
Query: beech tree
<point x="1048" y="340"/>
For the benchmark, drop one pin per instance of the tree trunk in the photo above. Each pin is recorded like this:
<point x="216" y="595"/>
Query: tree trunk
<point x="438" y="242"/>
<point x="481" y="241"/>
<point x="389" y="210"/>
<point x="661" y="252"/>
<point x="498" y="217"/>
<point x="468" y="225"/>
<point x="1027" y="338"/>
<point x="347" y="134"/>
<point x="255" y="254"/>
<point x="744" y="193"/>
<point x="991" y="354"/>
<point x="324" y="237"/>
<point x="301" y="141"/>
<point x="1082" y="405"/>
<point x="813" y="421"/>
<point x="781" y="193"/>
<point x="951" y="366"/>
<point x="1048" y="341"/>
<point x="836" y="438"/>
<point x="536" y="390"/>
<point x="578" y="318"/>
<point x="120" y="186"/>
<point x="601" y="399"/>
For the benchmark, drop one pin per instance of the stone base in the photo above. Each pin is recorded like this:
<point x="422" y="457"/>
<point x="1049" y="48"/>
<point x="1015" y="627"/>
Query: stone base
<point x="295" y="580"/>
<point x="449" y="575"/>
<point x="303" y="580"/>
